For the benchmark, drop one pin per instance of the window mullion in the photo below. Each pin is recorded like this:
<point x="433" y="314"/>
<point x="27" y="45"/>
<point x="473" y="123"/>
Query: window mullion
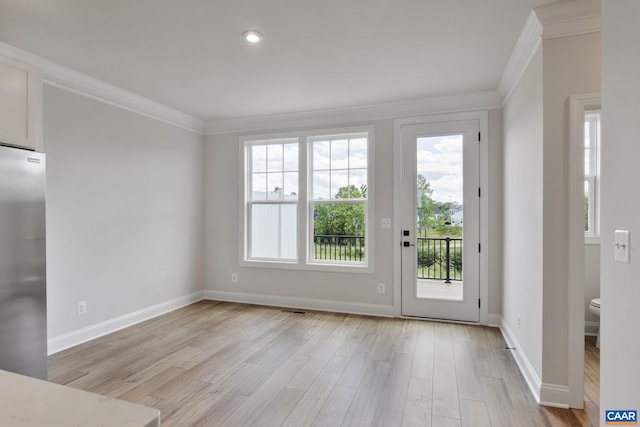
<point x="269" y="217"/>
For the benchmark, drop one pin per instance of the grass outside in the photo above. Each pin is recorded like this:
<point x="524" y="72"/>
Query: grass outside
<point x="333" y="252"/>
<point x="438" y="271"/>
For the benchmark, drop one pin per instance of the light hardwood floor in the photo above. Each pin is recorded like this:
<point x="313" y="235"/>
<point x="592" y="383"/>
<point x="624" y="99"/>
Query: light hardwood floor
<point x="225" y="364"/>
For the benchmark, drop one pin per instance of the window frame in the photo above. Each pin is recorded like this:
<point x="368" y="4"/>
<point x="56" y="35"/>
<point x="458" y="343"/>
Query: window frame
<point x="312" y="202"/>
<point x="304" y="212"/>
<point x="592" y="236"/>
<point x="248" y="203"/>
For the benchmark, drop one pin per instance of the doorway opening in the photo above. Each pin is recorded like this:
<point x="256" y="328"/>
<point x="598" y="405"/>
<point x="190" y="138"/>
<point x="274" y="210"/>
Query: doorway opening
<point x="584" y="253"/>
<point x="440" y="220"/>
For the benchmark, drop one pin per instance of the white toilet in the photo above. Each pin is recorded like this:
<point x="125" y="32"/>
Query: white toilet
<point x="594" y="307"/>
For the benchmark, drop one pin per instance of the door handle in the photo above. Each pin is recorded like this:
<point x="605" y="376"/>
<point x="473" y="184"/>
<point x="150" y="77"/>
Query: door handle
<point x="407" y="244"/>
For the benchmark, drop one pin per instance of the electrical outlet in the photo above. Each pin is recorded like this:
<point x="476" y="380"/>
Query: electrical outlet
<point x="385" y="223"/>
<point x="82" y="307"/>
<point x="518" y="320"/>
<point x="234" y="278"/>
<point x="381" y="288"/>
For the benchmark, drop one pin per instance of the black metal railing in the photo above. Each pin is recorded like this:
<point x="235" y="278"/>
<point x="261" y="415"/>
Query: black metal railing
<point x="338" y="248"/>
<point x="439" y="258"/>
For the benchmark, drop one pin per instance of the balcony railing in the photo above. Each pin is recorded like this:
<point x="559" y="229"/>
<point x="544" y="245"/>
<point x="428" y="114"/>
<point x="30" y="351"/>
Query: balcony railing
<point x="439" y="258"/>
<point x="338" y="248"/>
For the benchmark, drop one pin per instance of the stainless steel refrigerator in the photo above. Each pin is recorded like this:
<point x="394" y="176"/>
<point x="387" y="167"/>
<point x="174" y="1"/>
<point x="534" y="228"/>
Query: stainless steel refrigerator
<point x="23" y="305"/>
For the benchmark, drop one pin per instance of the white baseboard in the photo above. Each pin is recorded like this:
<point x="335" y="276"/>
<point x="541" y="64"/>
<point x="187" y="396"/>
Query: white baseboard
<point x="545" y="394"/>
<point x="527" y="370"/>
<point x="304" y="303"/>
<point x="591" y="328"/>
<point x="83" y="335"/>
<point x="554" y="395"/>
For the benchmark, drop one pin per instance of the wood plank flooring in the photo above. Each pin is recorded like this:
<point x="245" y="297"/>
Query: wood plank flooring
<point x="226" y="364"/>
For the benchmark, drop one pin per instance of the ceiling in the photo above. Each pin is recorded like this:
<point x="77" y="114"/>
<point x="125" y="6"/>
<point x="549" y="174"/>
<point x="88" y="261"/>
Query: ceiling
<point x="316" y="55"/>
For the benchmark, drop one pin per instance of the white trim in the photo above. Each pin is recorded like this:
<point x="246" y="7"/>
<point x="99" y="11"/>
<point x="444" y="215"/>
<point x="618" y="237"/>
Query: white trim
<point x="556" y="396"/>
<point x="303" y="261"/>
<point x="82" y="84"/>
<point x="483" y="119"/>
<point x="73" y="81"/>
<point x="484" y="236"/>
<point x="593" y="114"/>
<point x="528" y="372"/>
<point x="378" y="310"/>
<point x="564" y="19"/>
<point x="572" y="27"/>
<point x="367" y="113"/>
<point x="591" y="329"/>
<point x="527" y="45"/>
<point x="79" y="336"/>
<point x="576" y="241"/>
<point x="569" y="18"/>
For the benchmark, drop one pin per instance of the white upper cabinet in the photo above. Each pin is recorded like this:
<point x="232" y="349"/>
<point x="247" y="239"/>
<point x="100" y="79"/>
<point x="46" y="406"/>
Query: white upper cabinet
<point x="20" y="104"/>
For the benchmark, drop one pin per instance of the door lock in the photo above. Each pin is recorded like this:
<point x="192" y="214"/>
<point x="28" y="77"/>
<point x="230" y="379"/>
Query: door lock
<point x="407" y="244"/>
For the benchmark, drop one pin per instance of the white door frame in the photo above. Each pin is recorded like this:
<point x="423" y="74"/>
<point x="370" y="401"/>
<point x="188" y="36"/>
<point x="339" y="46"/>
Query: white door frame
<point x="465" y="309"/>
<point x="577" y="106"/>
<point x="483" y="119"/>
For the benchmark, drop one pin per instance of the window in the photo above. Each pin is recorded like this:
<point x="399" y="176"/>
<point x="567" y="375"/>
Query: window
<point x="272" y="200"/>
<point x="306" y="199"/>
<point x="338" y="204"/>
<point x="591" y="172"/>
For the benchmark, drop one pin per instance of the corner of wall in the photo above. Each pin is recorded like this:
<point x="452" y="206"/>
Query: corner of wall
<point x="79" y="336"/>
<point x="526" y="368"/>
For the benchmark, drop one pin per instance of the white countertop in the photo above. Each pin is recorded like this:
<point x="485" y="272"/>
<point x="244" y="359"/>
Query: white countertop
<point x="28" y="402"/>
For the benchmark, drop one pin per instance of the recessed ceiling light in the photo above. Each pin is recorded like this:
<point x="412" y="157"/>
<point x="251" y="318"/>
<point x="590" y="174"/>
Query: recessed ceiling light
<point x="252" y="36"/>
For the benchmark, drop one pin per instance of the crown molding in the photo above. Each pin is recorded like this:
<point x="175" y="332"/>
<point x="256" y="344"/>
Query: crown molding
<point x="526" y="47"/>
<point x="569" y="18"/>
<point x="82" y="84"/>
<point x="564" y="19"/>
<point x="469" y="102"/>
<point x="73" y="81"/>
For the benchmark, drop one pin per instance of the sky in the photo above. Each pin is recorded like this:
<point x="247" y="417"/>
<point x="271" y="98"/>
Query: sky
<point x="439" y="160"/>
<point x="338" y="163"/>
<point x="274" y="165"/>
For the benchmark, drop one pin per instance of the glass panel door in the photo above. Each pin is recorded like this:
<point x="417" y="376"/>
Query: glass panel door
<point x="440" y="262"/>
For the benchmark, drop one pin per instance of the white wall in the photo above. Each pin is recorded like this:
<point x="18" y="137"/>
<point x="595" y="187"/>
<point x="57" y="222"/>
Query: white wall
<point x="620" y="339"/>
<point x="124" y="211"/>
<point x="222" y="222"/>
<point x="571" y="66"/>
<point x="330" y="290"/>
<point x="536" y="203"/>
<point x="522" y="233"/>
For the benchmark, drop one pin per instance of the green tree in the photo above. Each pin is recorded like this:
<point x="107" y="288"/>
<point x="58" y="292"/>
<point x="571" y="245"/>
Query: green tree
<point x="341" y="219"/>
<point x="425" y="203"/>
<point x="434" y="217"/>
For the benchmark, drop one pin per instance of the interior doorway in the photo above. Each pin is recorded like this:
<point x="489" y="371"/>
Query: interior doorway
<point x="583" y="229"/>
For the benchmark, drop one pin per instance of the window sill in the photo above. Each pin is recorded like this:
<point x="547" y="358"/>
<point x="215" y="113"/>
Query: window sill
<point x="333" y="268"/>
<point x="592" y="240"/>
